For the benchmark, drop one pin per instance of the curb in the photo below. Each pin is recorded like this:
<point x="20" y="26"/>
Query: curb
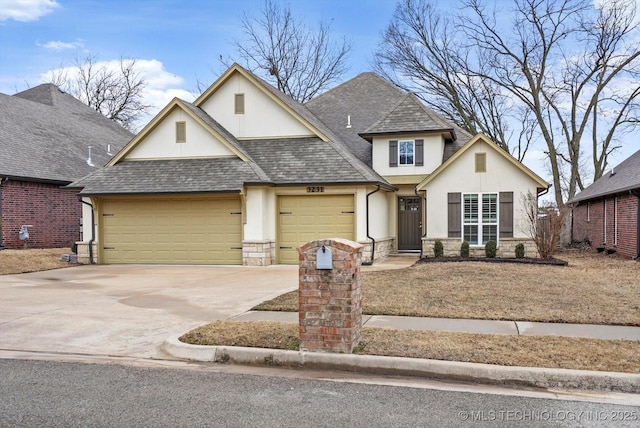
<point x="433" y="369"/>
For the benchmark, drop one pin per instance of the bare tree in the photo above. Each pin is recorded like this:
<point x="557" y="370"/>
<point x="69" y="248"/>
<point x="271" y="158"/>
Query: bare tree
<point x="116" y="91"/>
<point x="299" y="61"/>
<point x="420" y="54"/>
<point x="544" y="227"/>
<point x="569" y="72"/>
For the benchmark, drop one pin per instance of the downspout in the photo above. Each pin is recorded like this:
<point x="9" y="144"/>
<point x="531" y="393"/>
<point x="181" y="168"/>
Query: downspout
<point x="93" y="231"/>
<point x="373" y="241"/>
<point x="636" y="193"/>
<point x="415" y="190"/>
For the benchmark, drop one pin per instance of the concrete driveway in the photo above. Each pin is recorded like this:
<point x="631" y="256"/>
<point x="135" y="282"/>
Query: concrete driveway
<point x="127" y="310"/>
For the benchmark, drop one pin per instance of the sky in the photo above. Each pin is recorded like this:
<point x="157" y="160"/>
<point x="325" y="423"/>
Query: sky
<point x="176" y="43"/>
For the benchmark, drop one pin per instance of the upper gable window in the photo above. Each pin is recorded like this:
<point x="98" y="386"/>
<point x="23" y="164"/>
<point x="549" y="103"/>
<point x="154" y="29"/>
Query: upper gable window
<point x="406" y="152"/>
<point x="481" y="162"/>
<point x="239" y="104"/>
<point x="181" y="132"/>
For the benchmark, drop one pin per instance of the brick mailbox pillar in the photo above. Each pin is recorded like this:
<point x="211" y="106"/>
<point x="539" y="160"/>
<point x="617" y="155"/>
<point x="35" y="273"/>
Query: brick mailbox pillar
<point x="330" y="301"/>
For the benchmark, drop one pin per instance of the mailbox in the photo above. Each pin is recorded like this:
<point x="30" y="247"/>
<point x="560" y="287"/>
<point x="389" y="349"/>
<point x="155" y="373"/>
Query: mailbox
<point x="324" y="258"/>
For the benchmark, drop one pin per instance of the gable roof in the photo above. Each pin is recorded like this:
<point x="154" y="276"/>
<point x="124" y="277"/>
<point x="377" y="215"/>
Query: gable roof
<point x="170" y="176"/>
<point x="625" y="177"/>
<point x="197" y="114"/>
<point x="482" y="138"/>
<point x="45" y="134"/>
<point x="361" y="99"/>
<point x="409" y="115"/>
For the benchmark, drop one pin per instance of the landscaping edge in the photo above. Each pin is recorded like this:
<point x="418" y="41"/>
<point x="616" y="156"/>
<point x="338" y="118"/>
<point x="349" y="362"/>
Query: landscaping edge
<point x="432" y="369"/>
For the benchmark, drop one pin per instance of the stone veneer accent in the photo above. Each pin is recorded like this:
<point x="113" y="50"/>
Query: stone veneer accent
<point x="258" y="253"/>
<point x="384" y="247"/>
<point x="83" y="252"/>
<point x="330" y="300"/>
<point x="506" y="247"/>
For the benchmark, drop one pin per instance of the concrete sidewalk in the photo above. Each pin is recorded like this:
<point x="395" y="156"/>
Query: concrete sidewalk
<point x="522" y="328"/>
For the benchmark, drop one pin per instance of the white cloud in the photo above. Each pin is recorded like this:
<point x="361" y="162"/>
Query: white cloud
<point x="161" y="85"/>
<point x="57" y="45"/>
<point x="26" y="10"/>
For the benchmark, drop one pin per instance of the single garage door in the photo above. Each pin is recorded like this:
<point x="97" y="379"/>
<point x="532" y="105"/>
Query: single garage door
<point x="306" y="218"/>
<point x="172" y="231"/>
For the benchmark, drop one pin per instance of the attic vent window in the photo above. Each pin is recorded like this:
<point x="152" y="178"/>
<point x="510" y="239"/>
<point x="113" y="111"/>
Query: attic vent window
<point x="181" y="132"/>
<point x="239" y="104"/>
<point x="481" y="162"/>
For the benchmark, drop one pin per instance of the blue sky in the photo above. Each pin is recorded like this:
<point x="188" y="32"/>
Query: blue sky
<point x="186" y="37"/>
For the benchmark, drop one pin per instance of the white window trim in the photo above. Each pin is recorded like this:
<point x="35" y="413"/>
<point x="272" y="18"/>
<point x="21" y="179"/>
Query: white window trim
<point x="480" y="224"/>
<point x="413" y="144"/>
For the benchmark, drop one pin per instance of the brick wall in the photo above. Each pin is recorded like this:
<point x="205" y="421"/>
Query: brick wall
<point x="610" y="223"/>
<point x="54" y="213"/>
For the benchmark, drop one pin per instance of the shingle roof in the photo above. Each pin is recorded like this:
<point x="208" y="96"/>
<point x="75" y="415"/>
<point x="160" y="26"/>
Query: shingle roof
<point x="626" y="177"/>
<point x="302" y="161"/>
<point x="374" y="105"/>
<point x="44" y="134"/>
<point x="340" y="145"/>
<point x="409" y="115"/>
<point x="364" y="99"/>
<point x="169" y="176"/>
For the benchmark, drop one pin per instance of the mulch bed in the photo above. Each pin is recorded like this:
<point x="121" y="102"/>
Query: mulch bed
<point x="524" y="260"/>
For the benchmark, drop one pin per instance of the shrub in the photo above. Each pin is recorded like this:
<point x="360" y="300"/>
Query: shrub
<point x="464" y="249"/>
<point x="438" y="249"/>
<point x="520" y="251"/>
<point x="490" y="249"/>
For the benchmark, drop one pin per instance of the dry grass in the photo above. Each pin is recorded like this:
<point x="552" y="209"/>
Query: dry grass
<point x="31" y="260"/>
<point x="524" y="351"/>
<point x="593" y="289"/>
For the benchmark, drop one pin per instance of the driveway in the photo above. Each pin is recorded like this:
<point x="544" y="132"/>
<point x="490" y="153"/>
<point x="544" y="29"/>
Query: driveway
<point x="127" y="310"/>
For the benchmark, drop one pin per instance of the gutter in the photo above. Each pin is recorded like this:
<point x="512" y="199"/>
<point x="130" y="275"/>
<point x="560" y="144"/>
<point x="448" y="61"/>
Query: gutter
<point x="373" y="241"/>
<point x="415" y="190"/>
<point x="93" y="231"/>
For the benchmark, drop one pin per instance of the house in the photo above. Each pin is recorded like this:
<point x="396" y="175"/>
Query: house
<point x="245" y="174"/>
<point x="48" y="139"/>
<point x="606" y="213"/>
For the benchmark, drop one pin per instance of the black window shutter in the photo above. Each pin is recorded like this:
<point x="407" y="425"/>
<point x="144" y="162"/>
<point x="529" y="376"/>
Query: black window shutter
<point x="393" y="153"/>
<point x="454" y="215"/>
<point x="419" y="152"/>
<point x="506" y="214"/>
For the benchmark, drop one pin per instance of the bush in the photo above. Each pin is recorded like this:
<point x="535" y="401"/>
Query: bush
<point x="520" y="251"/>
<point x="438" y="249"/>
<point x="464" y="249"/>
<point x="490" y="249"/>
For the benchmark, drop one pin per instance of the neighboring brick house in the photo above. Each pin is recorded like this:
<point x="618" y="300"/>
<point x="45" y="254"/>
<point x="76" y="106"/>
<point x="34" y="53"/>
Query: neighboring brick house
<point x="45" y="136"/>
<point x="606" y="213"/>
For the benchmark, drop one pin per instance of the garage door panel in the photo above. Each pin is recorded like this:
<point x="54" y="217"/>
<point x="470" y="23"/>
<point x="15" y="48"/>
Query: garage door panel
<point x="307" y="218"/>
<point x="180" y="231"/>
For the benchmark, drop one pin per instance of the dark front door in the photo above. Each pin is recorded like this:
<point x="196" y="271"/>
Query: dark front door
<point x="409" y="222"/>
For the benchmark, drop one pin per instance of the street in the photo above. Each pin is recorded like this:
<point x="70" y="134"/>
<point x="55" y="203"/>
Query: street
<point x="59" y="392"/>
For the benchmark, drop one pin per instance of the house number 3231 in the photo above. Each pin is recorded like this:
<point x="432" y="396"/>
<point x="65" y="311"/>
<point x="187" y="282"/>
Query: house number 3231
<point x="315" y="189"/>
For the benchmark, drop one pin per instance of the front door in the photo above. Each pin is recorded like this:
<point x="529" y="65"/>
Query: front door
<point x="409" y="223"/>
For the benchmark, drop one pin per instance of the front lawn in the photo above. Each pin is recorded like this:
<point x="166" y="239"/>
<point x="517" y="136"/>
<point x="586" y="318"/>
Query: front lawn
<point x="592" y="289"/>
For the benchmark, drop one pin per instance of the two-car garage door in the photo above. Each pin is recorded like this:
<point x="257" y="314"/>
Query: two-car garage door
<point x="202" y="230"/>
<point x="208" y="230"/>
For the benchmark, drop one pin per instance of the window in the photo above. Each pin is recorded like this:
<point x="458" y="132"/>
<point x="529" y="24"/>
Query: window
<point x="406" y="152"/>
<point x="181" y="132"/>
<point x="481" y="162"/>
<point x="239" y="104"/>
<point x="480" y="218"/>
